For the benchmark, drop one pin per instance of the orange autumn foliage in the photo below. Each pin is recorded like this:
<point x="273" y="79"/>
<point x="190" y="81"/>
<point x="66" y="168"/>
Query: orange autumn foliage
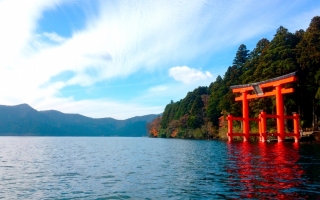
<point x="154" y="132"/>
<point x="223" y="122"/>
<point x="154" y="127"/>
<point x="174" y="133"/>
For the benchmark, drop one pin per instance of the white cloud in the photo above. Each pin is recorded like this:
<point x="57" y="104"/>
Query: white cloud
<point x="187" y="75"/>
<point x="18" y="21"/>
<point x="53" y="36"/>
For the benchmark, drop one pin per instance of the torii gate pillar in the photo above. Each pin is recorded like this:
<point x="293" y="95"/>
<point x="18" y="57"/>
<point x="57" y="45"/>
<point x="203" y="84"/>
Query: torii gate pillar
<point x="245" y="115"/>
<point x="280" y="113"/>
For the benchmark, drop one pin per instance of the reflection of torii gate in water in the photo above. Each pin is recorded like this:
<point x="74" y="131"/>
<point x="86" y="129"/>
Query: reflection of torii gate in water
<point x="258" y="87"/>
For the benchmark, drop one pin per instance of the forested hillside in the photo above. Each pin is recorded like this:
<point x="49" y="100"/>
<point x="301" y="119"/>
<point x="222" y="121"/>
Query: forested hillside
<point x="202" y="112"/>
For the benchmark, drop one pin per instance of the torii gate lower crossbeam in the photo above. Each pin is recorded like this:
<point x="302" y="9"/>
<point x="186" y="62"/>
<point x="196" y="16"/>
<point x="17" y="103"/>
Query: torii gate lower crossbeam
<point x="278" y="91"/>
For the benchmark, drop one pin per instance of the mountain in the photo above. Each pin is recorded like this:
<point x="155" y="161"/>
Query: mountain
<point x="22" y="120"/>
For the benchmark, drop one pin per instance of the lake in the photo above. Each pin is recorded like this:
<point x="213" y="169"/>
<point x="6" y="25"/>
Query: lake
<point x="152" y="168"/>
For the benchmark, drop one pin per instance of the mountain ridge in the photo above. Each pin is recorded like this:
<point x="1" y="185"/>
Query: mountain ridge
<point x="23" y="120"/>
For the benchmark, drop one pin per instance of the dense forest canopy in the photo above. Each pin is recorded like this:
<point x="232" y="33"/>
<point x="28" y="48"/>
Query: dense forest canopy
<point x="202" y="112"/>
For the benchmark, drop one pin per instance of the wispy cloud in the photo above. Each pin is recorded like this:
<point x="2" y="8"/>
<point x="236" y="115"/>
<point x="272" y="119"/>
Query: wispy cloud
<point x="53" y="36"/>
<point x="121" y="38"/>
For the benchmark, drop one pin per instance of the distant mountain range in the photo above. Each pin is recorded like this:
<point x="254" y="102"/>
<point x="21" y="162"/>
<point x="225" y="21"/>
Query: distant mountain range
<point x="23" y="120"/>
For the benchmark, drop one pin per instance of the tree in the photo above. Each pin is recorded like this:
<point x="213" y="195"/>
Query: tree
<point x="241" y="56"/>
<point x="197" y="106"/>
<point x="154" y="127"/>
<point x="217" y="90"/>
<point x="309" y="60"/>
<point x="280" y="56"/>
<point x="253" y="61"/>
<point x="232" y="77"/>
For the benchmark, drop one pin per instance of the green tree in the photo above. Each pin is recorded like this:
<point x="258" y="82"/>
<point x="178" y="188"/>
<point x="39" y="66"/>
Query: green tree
<point x="280" y="56"/>
<point x="241" y="56"/>
<point x="217" y="90"/>
<point x="309" y="60"/>
<point x="253" y="61"/>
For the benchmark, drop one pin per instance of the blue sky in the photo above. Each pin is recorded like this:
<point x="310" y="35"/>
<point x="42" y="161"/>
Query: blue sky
<point x="126" y="58"/>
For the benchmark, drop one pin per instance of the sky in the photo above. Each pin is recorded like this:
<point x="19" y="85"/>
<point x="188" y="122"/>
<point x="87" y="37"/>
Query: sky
<point x="123" y="58"/>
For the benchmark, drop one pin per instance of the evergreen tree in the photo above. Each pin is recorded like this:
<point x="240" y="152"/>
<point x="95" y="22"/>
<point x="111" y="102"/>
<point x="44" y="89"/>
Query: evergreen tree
<point x="217" y="90"/>
<point x="241" y="56"/>
<point x="197" y="106"/>
<point x="232" y="77"/>
<point x="196" y="112"/>
<point x="280" y="57"/>
<point x="309" y="61"/>
<point x="253" y="61"/>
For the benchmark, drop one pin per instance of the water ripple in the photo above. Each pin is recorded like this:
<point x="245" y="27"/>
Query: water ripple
<point x="145" y="168"/>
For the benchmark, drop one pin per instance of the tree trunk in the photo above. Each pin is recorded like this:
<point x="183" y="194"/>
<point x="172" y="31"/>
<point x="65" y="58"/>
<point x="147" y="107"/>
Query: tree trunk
<point x="313" y="116"/>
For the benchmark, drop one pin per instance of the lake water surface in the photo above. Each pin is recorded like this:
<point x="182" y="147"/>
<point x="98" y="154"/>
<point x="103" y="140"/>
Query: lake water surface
<point x="146" y="168"/>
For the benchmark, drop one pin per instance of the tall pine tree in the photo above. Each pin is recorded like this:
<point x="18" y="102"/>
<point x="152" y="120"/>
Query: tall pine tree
<point x="309" y="61"/>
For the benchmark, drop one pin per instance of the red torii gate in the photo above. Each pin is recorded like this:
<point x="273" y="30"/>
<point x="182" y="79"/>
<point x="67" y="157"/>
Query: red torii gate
<point x="258" y="87"/>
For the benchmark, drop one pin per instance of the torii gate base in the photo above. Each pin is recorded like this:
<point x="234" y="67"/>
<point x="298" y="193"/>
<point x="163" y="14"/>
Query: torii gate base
<point x="277" y="83"/>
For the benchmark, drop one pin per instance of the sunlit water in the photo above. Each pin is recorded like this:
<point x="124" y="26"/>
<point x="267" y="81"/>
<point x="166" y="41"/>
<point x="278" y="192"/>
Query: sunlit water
<point x="146" y="168"/>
